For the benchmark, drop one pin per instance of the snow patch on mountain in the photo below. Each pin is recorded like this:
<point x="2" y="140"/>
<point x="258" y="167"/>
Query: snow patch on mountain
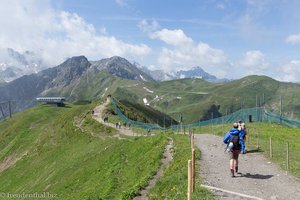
<point x="146" y="101"/>
<point x="150" y="91"/>
<point x="143" y="78"/>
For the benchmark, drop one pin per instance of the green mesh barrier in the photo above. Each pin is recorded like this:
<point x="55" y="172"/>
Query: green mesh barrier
<point x="132" y="122"/>
<point x="245" y="115"/>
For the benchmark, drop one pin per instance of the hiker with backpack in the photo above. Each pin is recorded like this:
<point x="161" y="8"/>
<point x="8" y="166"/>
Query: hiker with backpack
<point x="233" y="139"/>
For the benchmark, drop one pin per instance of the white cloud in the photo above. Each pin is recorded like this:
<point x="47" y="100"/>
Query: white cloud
<point x="56" y="34"/>
<point x="173" y="37"/>
<point x="290" y="71"/>
<point x="254" y="62"/>
<point x="293" y="39"/>
<point x="184" y="53"/>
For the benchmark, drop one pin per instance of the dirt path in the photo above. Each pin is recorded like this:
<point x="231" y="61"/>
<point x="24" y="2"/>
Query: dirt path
<point x="167" y="158"/>
<point x="98" y="117"/>
<point x="258" y="177"/>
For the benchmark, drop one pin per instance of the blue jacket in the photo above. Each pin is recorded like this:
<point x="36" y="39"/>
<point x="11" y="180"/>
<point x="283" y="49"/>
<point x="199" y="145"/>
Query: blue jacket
<point x="232" y="132"/>
<point x="243" y="134"/>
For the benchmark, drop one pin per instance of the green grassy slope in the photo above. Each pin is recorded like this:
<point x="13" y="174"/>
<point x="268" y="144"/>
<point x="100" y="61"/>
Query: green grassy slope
<point x="46" y="152"/>
<point x="196" y="98"/>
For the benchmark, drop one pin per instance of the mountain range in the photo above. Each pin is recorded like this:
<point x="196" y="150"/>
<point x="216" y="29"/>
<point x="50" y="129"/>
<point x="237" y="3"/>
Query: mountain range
<point x="195" y="72"/>
<point x="14" y="64"/>
<point x="80" y="79"/>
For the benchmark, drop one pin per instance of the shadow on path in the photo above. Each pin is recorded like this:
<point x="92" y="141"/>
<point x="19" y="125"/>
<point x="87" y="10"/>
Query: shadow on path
<point x="255" y="176"/>
<point x="254" y="151"/>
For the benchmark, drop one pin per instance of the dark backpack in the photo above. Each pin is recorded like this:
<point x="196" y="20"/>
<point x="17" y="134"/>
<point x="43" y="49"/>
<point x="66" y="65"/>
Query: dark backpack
<point x="235" y="139"/>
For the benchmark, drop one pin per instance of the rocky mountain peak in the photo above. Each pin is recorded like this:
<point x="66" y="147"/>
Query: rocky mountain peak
<point x="122" y="68"/>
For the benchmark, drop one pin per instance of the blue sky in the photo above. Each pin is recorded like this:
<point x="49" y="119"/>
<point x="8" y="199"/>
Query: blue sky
<point x="228" y="38"/>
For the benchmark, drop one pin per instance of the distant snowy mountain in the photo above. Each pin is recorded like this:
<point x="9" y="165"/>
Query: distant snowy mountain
<point x="14" y="64"/>
<point x="196" y="72"/>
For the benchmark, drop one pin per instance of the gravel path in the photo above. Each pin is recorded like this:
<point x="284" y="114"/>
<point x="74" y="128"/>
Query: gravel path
<point x="258" y="177"/>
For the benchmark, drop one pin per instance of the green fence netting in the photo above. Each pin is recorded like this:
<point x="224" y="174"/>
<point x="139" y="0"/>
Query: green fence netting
<point x="132" y="122"/>
<point x="257" y="114"/>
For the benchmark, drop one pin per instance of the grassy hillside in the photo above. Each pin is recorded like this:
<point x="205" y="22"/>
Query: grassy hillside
<point x="198" y="99"/>
<point x="142" y="113"/>
<point x="65" y="152"/>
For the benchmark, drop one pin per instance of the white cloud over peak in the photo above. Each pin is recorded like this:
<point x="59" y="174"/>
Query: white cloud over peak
<point x="290" y="71"/>
<point x="184" y="53"/>
<point x="293" y="39"/>
<point x="254" y="62"/>
<point x="57" y="34"/>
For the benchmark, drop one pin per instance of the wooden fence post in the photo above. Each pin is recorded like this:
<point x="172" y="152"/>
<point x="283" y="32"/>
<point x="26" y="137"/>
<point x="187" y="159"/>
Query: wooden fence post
<point x="193" y="143"/>
<point x="189" y="195"/>
<point x="271" y="153"/>
<point x="287" y="157"/>
<point x="192" y="140"/>
<point x="193" y="170"/>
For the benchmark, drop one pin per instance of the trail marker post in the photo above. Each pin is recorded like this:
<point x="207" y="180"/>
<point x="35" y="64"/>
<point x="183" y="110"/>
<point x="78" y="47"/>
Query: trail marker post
<point x="193" y="170"/>
<point x="189" y="194"/>
<point x="287" y="157"/>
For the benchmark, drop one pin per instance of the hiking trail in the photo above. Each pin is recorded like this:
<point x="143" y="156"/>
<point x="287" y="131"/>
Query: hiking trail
<point x="258" y="177"/>
<point x="167" y="155"/>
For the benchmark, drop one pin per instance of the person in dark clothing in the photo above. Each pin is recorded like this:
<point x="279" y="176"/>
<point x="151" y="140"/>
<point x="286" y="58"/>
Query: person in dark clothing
<point x="233" y="139"/>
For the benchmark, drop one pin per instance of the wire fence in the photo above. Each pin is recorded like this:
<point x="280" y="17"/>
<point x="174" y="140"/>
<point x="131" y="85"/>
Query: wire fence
<point x="282" y="150"/>
<point x="257" y="114"/>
